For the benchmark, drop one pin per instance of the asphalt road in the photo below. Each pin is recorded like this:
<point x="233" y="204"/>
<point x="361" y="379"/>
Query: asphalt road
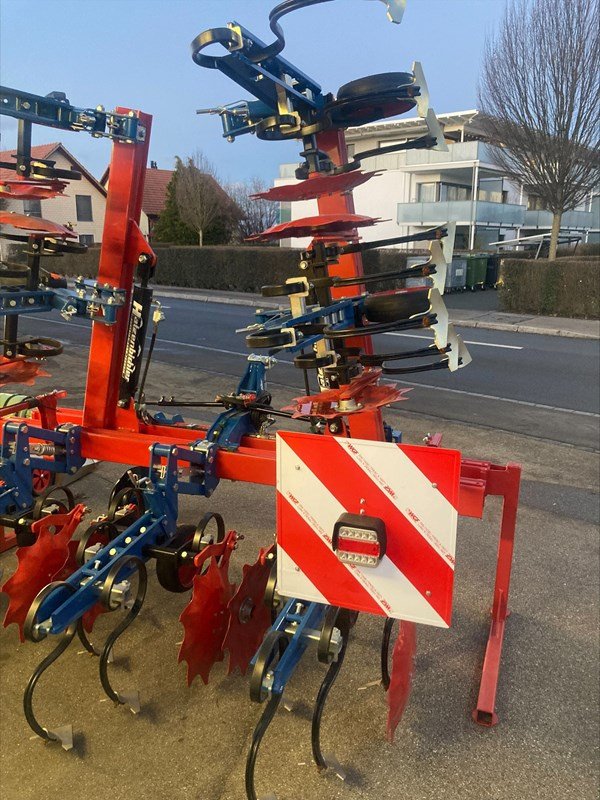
<point x="191" y="743"/>
<point x="540" y="386"/>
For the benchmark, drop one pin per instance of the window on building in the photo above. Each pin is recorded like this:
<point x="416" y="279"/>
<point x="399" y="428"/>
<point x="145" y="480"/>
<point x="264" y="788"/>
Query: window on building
<point x="84" y="207"/>
<point x="427" y="192"/>
<point x="535" y="203"/>
<point x="32" y="207"/>
<point x="455" y="192"/>
<point x="86" y="238"/>
<point x="285" y="212"/>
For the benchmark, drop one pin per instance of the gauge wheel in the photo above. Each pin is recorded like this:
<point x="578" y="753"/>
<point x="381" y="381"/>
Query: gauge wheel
<point x="172" y="575"/>
<point x="397" y="306"/>
<point x="374" y="84"/>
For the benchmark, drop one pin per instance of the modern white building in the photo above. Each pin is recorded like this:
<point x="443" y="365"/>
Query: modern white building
<point x="419" y="189"/>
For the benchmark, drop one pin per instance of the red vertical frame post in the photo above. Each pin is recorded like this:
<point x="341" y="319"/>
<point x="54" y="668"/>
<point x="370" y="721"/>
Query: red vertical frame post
<point x="368" y="425"/>
<point x="504" y="482"/>
<point x="117" y="268"/>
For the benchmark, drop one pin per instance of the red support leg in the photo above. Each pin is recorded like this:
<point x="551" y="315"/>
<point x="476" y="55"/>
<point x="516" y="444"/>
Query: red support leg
<point x="118" y="261"/>
<point x="505" y="482"/>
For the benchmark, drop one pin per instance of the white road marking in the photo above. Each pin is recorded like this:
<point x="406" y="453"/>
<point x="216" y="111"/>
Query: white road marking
<point x="495" y="397"/>
<point x="404" y="383"/>
<point x="466" y="341"/>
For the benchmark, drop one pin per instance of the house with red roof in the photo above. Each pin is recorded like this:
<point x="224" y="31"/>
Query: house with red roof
<point x="155" y="193"/>
<point x="81" y="205"/>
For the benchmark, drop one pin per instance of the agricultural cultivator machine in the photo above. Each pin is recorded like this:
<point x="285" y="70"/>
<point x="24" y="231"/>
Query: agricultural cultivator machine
<point x="365" y="523"/>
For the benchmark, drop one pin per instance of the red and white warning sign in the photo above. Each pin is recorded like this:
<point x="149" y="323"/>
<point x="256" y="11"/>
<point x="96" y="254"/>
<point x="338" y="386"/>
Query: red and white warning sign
<point x="367" y="525"/>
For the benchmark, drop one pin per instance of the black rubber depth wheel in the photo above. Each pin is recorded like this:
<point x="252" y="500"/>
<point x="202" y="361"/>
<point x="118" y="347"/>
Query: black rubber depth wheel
<point x="373" y="84"/>
<point x="125" y="481"/>
<point x="312" y="361"/>
<point x="397" y="306"/>
<point x="282" y="289"/>
<point x="275" y="339"/>
<point x="40" y="347"/>
<point x="172" y="575"/>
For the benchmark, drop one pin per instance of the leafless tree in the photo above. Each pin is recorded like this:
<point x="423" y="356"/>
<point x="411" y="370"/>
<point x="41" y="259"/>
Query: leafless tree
<point x="201" y="201"/>
<point x="256" y="215"/>
<point x="540" y="94"/>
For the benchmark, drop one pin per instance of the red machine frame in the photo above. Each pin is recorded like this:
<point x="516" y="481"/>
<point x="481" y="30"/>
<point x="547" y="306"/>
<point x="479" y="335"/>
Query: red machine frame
<point x="109" y="427"/>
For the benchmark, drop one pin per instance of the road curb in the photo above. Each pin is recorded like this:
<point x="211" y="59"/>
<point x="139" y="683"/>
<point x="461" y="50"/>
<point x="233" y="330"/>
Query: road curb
<point x="506" y="326"/>
<point x="209" y="298"/>
<point x="460" y="323"/>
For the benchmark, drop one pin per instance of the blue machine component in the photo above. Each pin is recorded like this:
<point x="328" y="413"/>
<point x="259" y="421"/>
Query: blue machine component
<point x="91" y="299"/>
<point x="302" y="622"/>
<point x="337" y="316"/>
<point x="156" y="526"/>
<point x="276" y="83"/>
<point x="55" y="111"/>
<point x="18" y="459"/>
<point x="229" y="427"/>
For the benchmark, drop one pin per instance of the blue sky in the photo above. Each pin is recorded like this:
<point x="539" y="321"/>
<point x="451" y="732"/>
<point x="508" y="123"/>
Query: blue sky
<point x="135" y="53"/>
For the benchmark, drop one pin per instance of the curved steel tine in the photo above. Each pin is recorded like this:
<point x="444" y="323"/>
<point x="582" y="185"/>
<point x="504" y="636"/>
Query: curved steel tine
<point x="385" y="652"/>
<point x="329" y="761"/>
<point x="260" y="730"/>
<point x="122" y="698"/>
<point x="64" y="734"/>
<point x="88" y="644"/>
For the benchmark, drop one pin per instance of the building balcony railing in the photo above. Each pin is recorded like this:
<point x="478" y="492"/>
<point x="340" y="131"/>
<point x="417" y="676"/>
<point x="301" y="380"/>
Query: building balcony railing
<point x="457" y="153"/>
<point x="463" y="212"/>
<point x="576" y="220"/>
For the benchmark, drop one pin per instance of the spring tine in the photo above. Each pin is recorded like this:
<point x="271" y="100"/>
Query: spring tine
<point x="385" y="652"/>
<point x="84" y="639"/>
<point x="328" y="761"/>
<point x="89" y="645"/>
<point x="130" y="698"/>
<point x="64" y="734"/>
<point x="260" y="730"/>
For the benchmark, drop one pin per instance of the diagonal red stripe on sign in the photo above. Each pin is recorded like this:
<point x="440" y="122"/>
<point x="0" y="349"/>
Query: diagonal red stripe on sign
<point x="426" y="570"/>
<point x="317" y="561"/>
<point x="439" y="466"/>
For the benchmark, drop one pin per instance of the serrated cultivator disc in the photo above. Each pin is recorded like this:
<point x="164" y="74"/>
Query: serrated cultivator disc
<point x="47" y="560"/>
<point x="403" y="665"/>
<point x="249" y="616"/>
<point x="205" y="620"/>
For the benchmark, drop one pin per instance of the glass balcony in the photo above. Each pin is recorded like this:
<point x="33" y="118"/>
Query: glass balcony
<point x="461" y="211"/>
<point x="578" y="220"/>
<point x="456" y="154"/>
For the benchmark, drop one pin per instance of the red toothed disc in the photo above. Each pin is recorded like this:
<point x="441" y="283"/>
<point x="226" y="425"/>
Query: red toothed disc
<point x="362" y="394"/>
<point x="205" y="621"/>
<point x="35" y="224"/>
<point x="32" y="190"/>
<point x="40" y="563"/>
<point x="316" y="186"/>
<point x="19" y="370"/>
<point x="249" y="616"/>
<point x="403" y="662"/>
<point x="321" y="225"/>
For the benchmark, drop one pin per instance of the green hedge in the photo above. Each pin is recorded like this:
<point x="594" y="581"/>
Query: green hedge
<point x="240" y="269"/>
<point x="567" y="287"/>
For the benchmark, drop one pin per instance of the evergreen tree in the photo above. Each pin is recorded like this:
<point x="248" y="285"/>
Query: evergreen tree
<point x="169" y="227"/>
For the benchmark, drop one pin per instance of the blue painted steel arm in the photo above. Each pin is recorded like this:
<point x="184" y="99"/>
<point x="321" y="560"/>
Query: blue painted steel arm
<point x="309" y="619"/>
<point x="57" y="112"/>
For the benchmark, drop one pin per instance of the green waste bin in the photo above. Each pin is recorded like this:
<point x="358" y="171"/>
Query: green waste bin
<point x="476" y="272"/>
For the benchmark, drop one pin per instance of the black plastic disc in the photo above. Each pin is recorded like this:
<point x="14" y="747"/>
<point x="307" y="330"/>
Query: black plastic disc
<point x="397" y="306"/>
